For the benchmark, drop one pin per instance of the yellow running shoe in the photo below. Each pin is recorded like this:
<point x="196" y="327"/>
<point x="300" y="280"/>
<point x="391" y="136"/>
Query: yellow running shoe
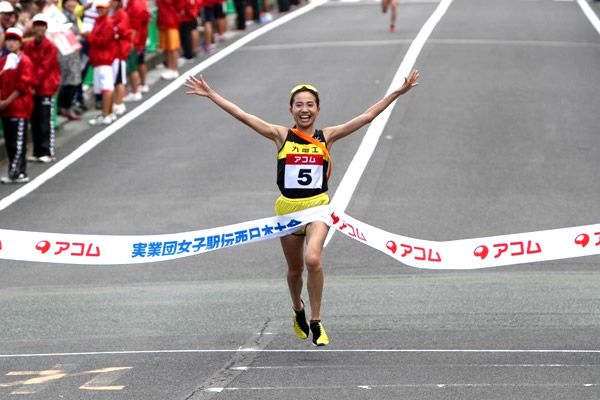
<point x="319" y="335"/>
<point x="300" y="324"/>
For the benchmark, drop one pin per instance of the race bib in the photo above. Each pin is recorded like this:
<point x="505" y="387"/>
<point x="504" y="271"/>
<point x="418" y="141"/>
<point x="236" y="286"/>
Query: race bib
<point x="303" y="171"/>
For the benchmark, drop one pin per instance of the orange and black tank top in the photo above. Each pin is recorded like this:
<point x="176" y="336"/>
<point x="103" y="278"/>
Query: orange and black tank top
<point x="302" y="167"/>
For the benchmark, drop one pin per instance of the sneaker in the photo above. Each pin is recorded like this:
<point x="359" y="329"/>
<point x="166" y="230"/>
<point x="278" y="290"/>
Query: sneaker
<point x="45" y="159"/>
<point x="207" y="49"/>
<point x="181" y="61"/>
<point x="132" y="97"/>
<point x="101" y="120"/>
<point x="169" y="75"/>
<point x="119" y="109"/>
<point x="22" y="178"/>
<point x="42" y="159"/>
<point x="69" y="114"/>
<point x="266" y="17"/>
<point x="300" y="325"/>
<point x="319" y="335"/>
<point x="144" y="88"/>
<point x="392" y="28"/>
<point x="79" y="109"/>
<point x="113" y="117"/>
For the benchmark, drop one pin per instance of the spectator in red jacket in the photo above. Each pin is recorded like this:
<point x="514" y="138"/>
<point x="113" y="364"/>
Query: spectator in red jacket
<point x="139" y="17"/>
<point x="16" y="104"/>
<point x="123" y="35"/>
<point x="103" y="51"/>
<point x="46" y="80"/>
<point x="168" y="39"/>
<point x="188" y="28"/>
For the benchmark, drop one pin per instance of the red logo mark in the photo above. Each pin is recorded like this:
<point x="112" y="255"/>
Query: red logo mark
<point x="391" y="246"/>
<point x="43" y="246"/>
<point x="481" y="251"/>
<point x="584" y="239"/>
<point x="335" y="218"/>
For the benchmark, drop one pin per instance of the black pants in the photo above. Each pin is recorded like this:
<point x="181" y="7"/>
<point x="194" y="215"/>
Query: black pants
<point x="15" y="138"/>
<point x="66" y="96"/>
<point x="185" y="34"/>
<point x="240" y="10"/>
<point x="42" y="126"/>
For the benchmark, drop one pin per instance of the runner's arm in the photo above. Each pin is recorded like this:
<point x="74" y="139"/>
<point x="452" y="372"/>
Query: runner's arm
<point x="339" y="131"/>
<point x="198" y="86"/>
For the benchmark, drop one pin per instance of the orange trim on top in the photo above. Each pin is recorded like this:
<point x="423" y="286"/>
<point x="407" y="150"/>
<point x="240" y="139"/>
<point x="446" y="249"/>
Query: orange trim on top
<point x="317" y="143"/>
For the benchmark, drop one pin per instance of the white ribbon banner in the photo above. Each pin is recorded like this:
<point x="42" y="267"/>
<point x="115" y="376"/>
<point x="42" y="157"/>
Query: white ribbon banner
<point x="493" y="251"/>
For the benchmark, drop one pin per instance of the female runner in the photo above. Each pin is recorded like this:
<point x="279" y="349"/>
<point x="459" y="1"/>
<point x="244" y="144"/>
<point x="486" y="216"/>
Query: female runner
<point x="302" y="164"/>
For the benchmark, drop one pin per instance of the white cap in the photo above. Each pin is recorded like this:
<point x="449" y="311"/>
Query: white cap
<point x="6" y="7"/>
<point x="14" y="32"/>
<point x="101" y="3"/>
<point x="40" y="18"/>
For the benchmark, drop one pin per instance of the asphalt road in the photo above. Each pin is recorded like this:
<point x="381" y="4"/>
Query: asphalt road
<point x="501" y="136"/>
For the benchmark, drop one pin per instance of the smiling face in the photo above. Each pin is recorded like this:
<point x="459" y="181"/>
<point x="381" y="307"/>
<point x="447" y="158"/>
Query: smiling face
<point x="304" y="109"/>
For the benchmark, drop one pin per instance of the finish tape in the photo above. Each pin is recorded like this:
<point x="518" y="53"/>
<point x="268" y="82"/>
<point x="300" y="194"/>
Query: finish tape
<point x="486" y="252"/>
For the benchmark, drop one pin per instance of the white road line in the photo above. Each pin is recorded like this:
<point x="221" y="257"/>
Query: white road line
<point x="148" y="104"/>
<point x="396" y="42"/>
<point x="499" y="42"/>
<point x="417" y="386"/>
<point x="590" y="14"/>
<point x="469" y="365"/>
<point x="256" y="350"/>
<point x="312" y="45"/>
<point x="358" y="164"/>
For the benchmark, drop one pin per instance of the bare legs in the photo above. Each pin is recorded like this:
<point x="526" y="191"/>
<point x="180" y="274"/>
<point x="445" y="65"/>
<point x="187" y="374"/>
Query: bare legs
<point x="297" y="257"/>
<point x="393" y="4"/>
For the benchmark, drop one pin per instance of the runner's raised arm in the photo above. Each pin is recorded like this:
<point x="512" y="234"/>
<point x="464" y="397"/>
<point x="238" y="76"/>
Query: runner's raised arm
<point x="339" y="131"/>
<point x="199" y="87"/>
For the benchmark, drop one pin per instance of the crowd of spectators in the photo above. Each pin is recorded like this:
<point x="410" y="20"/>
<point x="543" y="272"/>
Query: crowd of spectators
<point x="49" y="45"/>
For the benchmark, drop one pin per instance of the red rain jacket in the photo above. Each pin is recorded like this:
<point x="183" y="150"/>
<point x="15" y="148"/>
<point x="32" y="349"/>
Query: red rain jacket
<point x="20" y="79"/>
<point x="104" y="48"/>
<point x="46" y="68"/>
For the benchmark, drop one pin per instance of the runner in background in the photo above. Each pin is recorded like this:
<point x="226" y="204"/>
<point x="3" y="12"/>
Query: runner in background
<point x="393" y="4"/>
<point x="302" y="164"/>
